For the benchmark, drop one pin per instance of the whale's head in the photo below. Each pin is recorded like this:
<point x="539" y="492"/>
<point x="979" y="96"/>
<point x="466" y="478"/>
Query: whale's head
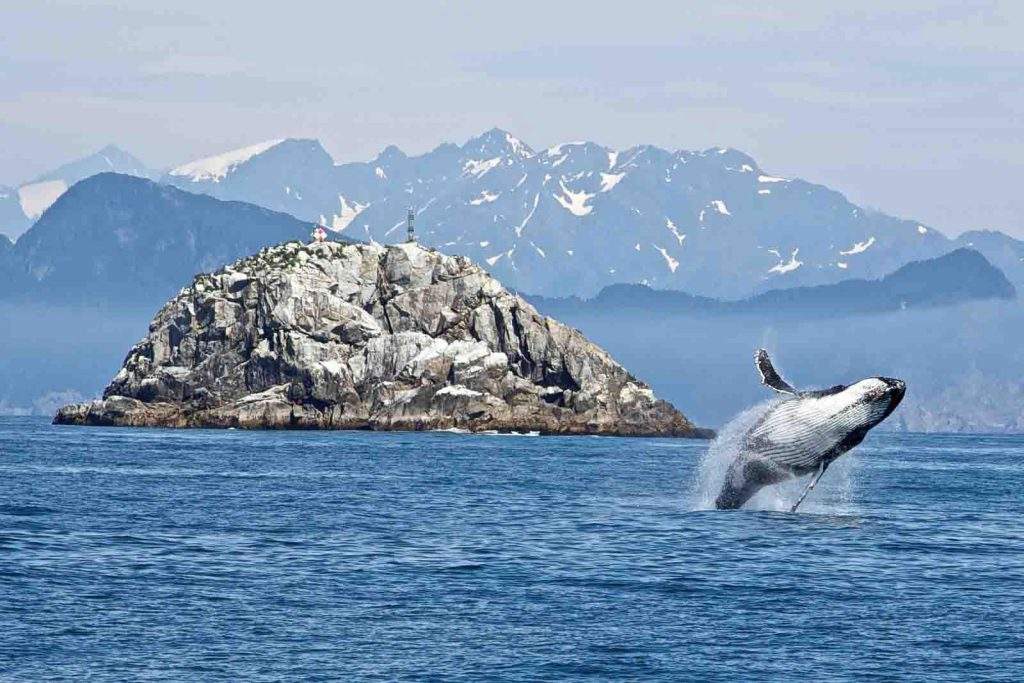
<point x="873" y="399"/>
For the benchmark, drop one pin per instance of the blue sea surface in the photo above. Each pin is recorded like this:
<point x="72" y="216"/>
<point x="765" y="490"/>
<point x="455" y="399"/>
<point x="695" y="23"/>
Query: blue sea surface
<point x="131" y="554"/>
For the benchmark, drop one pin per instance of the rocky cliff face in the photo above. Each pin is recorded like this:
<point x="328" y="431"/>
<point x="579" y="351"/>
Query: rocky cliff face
<point x="370" y="337"/>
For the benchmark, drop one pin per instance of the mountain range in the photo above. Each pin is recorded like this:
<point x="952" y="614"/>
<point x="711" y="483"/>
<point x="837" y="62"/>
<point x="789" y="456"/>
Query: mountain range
<point x="961" y="276"/>
<point x="115" y="237"/>
<point x="576" y="217"/>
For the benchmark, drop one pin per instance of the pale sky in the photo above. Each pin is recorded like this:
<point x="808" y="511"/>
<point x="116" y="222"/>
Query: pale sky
<point x="914" y="108"/>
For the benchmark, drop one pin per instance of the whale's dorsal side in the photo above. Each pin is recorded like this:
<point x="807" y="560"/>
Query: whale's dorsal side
<point x="818" y="393"/>
<point x="769" y="377"/>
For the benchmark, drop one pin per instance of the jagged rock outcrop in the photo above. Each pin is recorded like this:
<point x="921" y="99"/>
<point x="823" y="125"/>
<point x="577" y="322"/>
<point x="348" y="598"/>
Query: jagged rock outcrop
<point x="339" y="336"/>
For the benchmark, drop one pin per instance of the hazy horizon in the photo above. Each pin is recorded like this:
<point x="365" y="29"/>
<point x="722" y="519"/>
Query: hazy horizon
<point x="907" y="107"/>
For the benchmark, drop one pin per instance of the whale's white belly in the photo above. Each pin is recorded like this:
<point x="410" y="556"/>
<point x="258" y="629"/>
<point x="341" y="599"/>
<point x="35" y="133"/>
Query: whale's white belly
<point x="797" y="433"/>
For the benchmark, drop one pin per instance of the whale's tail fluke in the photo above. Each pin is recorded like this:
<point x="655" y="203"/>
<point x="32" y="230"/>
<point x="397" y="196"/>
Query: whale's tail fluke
<point x="743" y="480"/>
<point x="733" y="497"/>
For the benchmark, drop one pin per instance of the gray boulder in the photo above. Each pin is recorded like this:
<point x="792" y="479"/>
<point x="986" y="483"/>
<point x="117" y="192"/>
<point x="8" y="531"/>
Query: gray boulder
<point x="332" y="336"/>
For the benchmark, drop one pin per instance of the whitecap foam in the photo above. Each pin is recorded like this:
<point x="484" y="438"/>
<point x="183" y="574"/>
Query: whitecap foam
<point x="494" y="432"/>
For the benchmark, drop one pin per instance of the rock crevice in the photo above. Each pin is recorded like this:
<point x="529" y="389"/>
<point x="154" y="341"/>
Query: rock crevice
<point x="337" y="336"/>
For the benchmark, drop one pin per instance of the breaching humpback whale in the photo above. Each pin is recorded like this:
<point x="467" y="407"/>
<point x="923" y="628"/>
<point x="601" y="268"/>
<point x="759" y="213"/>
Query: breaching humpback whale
<point x="805" y="432"/>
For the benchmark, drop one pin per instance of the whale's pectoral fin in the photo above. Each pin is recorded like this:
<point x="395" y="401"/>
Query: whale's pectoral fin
<point x="769" y="377"/>
<point x="814" y="480"/>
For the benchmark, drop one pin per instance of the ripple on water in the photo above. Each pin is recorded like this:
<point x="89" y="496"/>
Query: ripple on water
<point x="131" y="554"/>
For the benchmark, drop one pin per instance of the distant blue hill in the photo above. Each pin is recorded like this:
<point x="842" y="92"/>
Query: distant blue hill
<point x="960" y="276"/>
<point x="21" y="206"/>
<point x="1004" y="252"/>
<point x="120" y="238"/>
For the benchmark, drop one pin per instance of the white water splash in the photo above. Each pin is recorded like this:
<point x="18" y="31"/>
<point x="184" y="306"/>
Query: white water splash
<point x="721" y="452"/>
<point x="833" y="494"/>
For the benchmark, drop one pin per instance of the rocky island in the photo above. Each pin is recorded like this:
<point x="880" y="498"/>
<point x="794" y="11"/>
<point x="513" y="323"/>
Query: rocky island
<point x="354" y="336"/>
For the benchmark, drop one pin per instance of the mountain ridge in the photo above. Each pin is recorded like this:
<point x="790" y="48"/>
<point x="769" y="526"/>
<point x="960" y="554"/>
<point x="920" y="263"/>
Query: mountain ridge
<point x="574" y="217"/>
<point x="960" y="276"/>
<point x="577" y="216"/>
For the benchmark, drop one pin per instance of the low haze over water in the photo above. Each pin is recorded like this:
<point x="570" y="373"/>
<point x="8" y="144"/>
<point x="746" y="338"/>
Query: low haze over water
<point x="135" y="553"/>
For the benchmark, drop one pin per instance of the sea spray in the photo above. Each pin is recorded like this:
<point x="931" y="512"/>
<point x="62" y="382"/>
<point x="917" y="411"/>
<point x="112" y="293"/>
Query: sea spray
<point x="720" y="454"/>
<point x="832" y="495"/>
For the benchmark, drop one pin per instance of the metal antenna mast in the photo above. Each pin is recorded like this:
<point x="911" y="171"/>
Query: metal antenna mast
<point x="410" y="218"/>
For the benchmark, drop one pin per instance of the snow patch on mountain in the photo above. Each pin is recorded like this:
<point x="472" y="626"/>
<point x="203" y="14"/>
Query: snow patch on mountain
<point x="574" y="202"/>
<point x="485" y="197"/>
<point x="669" y="261"/>
<point x="610" y="180"/>
<point x="675" y="231"/>
<point x="559" y="153"/>
<point x="217" y="167"/>
<point x="478" y="167"/>
<point x="348" y="213"/>
<point x="38" y="197"/>
<point x="518" y="147"/>
<point x="770" y="179"/>
<point x="786" y="267"/>
<point x="859" y="247"/>
<point x="559" y="149"/>
<point x="522" y="226"/>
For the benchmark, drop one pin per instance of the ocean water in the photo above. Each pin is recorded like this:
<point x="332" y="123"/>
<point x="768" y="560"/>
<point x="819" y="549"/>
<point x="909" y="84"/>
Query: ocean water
<point x="225" y="555"/>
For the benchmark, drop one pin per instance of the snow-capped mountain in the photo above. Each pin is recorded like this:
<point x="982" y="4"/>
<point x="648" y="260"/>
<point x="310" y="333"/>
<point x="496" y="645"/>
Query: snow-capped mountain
<point x="578" y="216"/>
<point x="21" y="206"/>
<point x="289" y="176"/>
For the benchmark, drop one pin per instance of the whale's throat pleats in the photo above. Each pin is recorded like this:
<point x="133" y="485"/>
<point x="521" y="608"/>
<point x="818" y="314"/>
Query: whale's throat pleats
<point x="797" y="433"/>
